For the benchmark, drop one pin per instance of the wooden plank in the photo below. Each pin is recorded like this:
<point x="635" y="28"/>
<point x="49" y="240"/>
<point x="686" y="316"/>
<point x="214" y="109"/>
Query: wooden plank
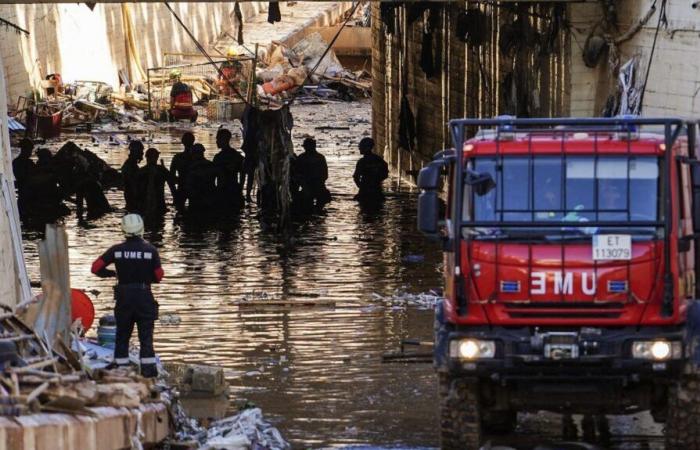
<point x="106" y="429"/>
<point x="10" y="208"/>
<point x="54" y="312"/>
<point x="286" y="303"/>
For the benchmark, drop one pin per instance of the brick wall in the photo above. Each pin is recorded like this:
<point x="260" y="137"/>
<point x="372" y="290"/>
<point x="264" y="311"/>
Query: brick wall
<point x="470" y="82"/>
<point x="674" y="78"/>
<point x="91" y="45"/>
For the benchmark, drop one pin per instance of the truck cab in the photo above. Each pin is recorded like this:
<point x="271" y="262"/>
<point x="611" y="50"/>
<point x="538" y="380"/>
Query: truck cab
<point x="570" y="262"/>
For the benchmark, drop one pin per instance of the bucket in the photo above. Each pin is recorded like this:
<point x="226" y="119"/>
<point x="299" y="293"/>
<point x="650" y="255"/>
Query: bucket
<point x="49" y="126"/>
<point x="107" y="332"/>
<point x="82" y="308"/>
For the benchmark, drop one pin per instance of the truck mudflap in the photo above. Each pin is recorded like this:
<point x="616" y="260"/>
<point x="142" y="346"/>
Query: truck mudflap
<point x="442" y="339"/>
<point x="692" y="334"/>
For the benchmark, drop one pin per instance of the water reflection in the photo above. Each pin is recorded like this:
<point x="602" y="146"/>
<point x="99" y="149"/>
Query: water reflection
<point x="316" y="371"/>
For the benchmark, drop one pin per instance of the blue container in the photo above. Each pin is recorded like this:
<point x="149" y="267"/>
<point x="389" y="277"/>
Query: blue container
<point x="107" y="332"/>
<point x="107" y="336"/>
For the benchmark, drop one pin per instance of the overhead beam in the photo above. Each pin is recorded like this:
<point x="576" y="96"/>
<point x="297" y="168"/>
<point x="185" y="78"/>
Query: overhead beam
<point x="250" y="1"/>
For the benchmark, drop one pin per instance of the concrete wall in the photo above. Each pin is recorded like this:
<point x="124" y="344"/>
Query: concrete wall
<point x="10" y="284"/>
<point x="674" y="79"/>
<point x="472" y="81"/>
<point x="91" y="45"/>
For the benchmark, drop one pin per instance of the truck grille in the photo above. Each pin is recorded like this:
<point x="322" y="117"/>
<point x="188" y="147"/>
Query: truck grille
<point x="579" y="310"/>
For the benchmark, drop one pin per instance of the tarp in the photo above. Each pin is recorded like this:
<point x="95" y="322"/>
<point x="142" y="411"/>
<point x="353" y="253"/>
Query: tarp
<point x="14" y="125"/>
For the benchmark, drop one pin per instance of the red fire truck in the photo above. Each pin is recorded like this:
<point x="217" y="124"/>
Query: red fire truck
<point x="569" y="272"/>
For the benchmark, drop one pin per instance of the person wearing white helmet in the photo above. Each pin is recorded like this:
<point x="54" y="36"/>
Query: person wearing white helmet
<point x="137" y="266"/>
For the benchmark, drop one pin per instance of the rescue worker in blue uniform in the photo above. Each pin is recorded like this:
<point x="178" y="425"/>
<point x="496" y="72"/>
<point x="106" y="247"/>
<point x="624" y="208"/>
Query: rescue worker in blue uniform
<point x="138" y="265"/>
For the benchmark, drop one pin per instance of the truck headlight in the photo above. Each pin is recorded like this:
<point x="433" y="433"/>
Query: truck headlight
<point x="471" y="349"/>
<point x="658" y="350"/>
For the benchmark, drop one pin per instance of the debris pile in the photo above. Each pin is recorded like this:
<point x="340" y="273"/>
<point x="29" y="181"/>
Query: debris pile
<point x="36" y="379"/>
<point x="314" y="67"/>
<point x="401" y="299"/>
<point x="245" y="430"/>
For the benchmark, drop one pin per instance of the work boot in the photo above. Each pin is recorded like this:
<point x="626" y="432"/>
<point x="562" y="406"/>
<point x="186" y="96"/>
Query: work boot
<point x="149" y="370"/>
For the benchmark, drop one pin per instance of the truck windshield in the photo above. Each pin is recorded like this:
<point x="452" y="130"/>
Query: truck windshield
<point x="575" y="189"/>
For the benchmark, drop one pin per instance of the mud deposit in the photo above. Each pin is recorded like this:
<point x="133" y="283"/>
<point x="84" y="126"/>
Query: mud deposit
<point x="311" y="359"/>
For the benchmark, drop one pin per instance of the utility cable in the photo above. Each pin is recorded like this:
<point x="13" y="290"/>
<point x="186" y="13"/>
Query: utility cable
<point x="662" y="18"/>
<point x="203" y="51"/>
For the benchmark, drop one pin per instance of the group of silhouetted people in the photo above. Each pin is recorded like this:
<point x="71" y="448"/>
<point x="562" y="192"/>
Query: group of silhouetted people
<point x="71" y="174"/>
<point x="204" y="187"/>
<point x="310" y="172"/>
<point x="198" y="185"/>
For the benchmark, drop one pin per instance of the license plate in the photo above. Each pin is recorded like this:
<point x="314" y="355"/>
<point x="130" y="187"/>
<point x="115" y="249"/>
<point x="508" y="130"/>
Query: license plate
<point x="561" y="351"/>
<point x="610" y="247"/>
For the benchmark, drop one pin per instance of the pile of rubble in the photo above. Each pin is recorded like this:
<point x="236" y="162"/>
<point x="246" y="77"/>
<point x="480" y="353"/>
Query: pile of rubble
<point x="312" y="67"/>
<point x="36" y="379"/>
<point x="79" y="106"/>
<point x="272" y="77"/>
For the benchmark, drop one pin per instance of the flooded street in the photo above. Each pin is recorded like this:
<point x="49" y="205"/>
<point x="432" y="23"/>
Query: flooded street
<point x="311" y="358"/>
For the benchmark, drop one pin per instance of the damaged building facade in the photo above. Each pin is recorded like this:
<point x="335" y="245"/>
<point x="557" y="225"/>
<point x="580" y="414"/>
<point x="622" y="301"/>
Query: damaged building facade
<point x="432" y="62"/>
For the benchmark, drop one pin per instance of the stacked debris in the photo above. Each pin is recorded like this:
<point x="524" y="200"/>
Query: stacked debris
<point x="36" y="379"/>
<point x="76" y="105"/>
<point x="312" y="65"/>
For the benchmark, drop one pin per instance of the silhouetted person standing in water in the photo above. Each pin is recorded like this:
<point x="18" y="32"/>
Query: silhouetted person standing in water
<point x="22" y="165"/>
<point x="152" y="179"/>
<point x="130" y="173"/>
<point x="200" y="182"/>
<point x="370" y="172"/>
<point x="179" y="167"/>
<point x="22" y="168"/>
<point x="311" y="172"/>
<point x="229" y="172"/>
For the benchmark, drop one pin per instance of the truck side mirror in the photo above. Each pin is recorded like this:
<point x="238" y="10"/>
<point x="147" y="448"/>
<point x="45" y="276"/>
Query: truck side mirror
<point x="429" y="176"/>
<point x="428" y="201"/>
<point x="428" y="211"/>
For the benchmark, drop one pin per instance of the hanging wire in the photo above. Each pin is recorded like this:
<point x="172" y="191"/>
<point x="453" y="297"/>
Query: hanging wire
<point x="8" y="24"/>
<point x="203" y="51"/>
<point x="662" y="18"/>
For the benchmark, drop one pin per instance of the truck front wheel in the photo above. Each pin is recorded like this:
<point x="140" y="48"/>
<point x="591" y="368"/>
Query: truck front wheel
<point x="460" y="413"/>
<point x="683" y="420"/>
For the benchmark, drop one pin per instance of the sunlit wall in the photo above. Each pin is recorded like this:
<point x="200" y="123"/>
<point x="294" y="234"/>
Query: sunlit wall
<point x="81" y="44"/>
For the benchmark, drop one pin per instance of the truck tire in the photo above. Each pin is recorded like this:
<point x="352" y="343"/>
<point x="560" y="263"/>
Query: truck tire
<point x="460" y="413"/>
<point x="683" y="421"/>
<point x="498" y="422"/>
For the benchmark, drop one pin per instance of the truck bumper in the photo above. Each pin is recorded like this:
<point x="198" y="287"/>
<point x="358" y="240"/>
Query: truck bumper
<point x="589" y="352"/>
<point x="603" y="377"/>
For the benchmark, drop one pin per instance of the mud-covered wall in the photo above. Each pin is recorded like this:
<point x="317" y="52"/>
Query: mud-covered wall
<point x="10" y="284"/>
<point x="81" y="44"/>
<point x="514" y="61"/>
<point x="673" y="86"/>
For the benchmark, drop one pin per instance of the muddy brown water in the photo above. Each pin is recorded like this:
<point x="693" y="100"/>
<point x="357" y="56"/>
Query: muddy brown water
<point x="316" y="371"/>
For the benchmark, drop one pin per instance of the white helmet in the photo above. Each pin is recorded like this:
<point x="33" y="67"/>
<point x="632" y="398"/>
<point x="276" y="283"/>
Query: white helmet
<point x="132" y="225"/>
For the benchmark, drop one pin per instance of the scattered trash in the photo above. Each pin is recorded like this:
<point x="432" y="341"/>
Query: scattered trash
<point x="401" y="299"/>
<point x="413" y="258"/>
<point x="170" y="319"/>
<point x="247" y="428"/>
